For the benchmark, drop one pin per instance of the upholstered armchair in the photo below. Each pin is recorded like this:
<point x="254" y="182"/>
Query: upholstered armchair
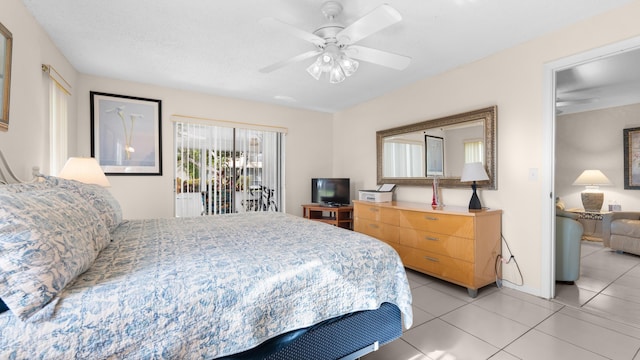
<point x="568" y="235"/>
<point x="621" y="231"/>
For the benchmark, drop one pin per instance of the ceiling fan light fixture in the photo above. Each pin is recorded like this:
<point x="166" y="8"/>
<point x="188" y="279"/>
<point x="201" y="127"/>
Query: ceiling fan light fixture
<point x="336" y="64"/>
<point x="348" y="65"/>
<point x="336" y="75"/>
<point x="316" y="69"/>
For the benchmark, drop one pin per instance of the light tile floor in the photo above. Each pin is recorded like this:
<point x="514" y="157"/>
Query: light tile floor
<point x="596" y="318"/>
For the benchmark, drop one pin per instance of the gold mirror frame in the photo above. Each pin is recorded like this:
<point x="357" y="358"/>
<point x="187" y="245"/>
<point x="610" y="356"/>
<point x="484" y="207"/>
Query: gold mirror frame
<point x="488" y="116"/>
<point x="5" y="77"/>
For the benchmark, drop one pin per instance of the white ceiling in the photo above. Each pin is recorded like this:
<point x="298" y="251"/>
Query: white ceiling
<point x="217" y="47"/>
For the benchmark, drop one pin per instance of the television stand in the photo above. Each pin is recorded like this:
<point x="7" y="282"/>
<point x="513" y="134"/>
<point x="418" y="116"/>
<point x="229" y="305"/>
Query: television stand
<point x="340" y="216"/>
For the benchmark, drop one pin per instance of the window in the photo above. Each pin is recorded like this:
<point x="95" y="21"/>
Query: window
<point x="406" y="157"/>
<point x="474" y="151"/>
<point x="222" y="169"/>
<point x="59" y="92"/>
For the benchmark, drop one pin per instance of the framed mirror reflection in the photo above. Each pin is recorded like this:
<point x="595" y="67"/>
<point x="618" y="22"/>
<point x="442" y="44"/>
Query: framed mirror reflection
<point x="6" y="40"/>
<point x="414" y="154"/>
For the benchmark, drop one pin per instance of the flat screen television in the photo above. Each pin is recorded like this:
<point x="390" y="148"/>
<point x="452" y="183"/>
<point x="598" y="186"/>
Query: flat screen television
<point x="330" y="191"/>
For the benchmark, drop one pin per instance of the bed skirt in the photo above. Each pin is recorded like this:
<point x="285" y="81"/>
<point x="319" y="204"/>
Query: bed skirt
<point x="332" y="339"/>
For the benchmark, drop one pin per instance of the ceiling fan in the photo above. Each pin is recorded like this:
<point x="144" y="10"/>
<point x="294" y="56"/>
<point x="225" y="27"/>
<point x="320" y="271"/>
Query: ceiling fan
<point x="563" y="103"/>
<point x="335" y="44"/>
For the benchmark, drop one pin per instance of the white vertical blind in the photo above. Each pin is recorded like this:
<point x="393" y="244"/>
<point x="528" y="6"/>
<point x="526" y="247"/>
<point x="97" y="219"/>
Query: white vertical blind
<point x="222" y="169"/>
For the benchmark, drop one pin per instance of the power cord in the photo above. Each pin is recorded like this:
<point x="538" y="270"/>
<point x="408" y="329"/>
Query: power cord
<point x="500" y="260"/>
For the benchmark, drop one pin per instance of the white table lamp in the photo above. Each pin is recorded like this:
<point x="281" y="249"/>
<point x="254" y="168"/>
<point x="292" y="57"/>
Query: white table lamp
<point x="86" y="170"/>
<point x="592" y="197"/>
<point x="474" y="172"/>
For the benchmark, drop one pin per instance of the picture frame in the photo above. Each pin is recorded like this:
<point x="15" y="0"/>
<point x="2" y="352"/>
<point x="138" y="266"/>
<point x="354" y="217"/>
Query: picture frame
<point x="126" y="134"/>
<point x="6" y="45"/>
<point x="631" y="140"/>
<point x="434" y="148"/>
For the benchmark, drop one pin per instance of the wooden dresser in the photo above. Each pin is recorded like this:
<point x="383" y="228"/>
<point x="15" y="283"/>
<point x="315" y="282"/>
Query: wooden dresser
<point x="453" y="243"/>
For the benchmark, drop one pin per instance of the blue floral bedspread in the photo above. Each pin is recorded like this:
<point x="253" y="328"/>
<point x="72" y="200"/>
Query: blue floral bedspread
<point x="200" y="288"/>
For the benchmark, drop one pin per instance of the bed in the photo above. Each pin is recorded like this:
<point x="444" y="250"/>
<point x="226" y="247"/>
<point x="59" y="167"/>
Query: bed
<point x="78" y="281"/>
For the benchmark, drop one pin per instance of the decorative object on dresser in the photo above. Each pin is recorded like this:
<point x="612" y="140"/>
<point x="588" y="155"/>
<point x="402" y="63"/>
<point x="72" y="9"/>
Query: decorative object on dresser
<point x="85" y="170"/>
<point x="592" y="197"/>
<point x="452" y="243"/>
<point x="6" y="44"/>
<point x="341" y="216"/>
<point x="474" y="172"/>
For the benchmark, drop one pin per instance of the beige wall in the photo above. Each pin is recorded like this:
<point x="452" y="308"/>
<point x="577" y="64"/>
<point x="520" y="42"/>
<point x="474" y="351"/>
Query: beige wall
<point x="307" y="142"/>
<point x="26" y="144"/>
<point x="594" y="140"/>
<point x="512" y="80"/>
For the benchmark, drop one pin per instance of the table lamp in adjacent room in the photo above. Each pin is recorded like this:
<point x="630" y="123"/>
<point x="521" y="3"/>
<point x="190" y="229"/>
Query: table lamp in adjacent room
<point x="592" y="197"/>
<point x="86" y="170"/>
<point x="474" y="172"/>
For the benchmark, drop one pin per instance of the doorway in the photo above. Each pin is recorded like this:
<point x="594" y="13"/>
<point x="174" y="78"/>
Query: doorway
<point x="557" y="76"/>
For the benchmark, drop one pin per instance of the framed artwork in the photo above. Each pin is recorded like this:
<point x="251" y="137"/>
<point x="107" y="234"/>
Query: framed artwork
<point x="126" y="134"/>
<point x="6" y="43"/>
<point x="434" y="146"/>
<point x="631" y="140"/>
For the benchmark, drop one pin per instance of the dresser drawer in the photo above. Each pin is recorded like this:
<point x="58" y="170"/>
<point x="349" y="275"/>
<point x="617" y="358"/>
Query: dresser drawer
<point x="441" y="266"/>
<point x="385" y="232"/>
<point x="461" y="226"/>
<point x="452" y="246"/>
<point x="377" y="213"/>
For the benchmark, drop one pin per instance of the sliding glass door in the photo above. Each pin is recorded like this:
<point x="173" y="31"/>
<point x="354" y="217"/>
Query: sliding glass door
<point x="221" y="170"/>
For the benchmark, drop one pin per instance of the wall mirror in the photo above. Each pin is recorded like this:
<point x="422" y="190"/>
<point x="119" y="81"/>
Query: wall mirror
<point x="414" y="154"/>
<point x="5" y="76"/>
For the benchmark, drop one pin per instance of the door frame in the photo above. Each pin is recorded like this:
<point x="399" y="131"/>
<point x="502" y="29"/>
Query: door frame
<point x="549" y="143"/>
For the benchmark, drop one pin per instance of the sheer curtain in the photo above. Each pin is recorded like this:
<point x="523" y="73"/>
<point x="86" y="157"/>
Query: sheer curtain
<point x="227" y="169"/>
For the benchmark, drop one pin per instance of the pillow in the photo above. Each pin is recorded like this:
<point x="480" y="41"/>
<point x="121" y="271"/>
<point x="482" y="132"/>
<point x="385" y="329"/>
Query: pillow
<point x="47" y="239"/>
<point x="567" y="214"/>
<point x="42" y="183"/>
<point x="101" y="199"/>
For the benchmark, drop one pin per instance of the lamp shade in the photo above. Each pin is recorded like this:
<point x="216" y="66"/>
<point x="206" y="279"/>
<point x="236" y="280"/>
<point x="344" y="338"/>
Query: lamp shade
<point x="474" y="172"/>
<point x="591" y="178"/>
<point x="86" y="170"/>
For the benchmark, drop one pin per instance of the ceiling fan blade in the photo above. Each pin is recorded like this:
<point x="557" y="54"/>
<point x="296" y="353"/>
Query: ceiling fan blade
<point x="278" y="65"/>
<point x="384" y="58"/>
<point x="376" y="20"/>
<point x="304" y="35"/>
<point x="563" y="103"/>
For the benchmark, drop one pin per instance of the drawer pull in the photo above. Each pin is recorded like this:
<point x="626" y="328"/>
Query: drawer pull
<point x="373" y="226"/>
<point x="429" y="238"/>
<point x="374" y="209"/>
<point x="431" y="259"/>
<point x="431" y="218"/>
